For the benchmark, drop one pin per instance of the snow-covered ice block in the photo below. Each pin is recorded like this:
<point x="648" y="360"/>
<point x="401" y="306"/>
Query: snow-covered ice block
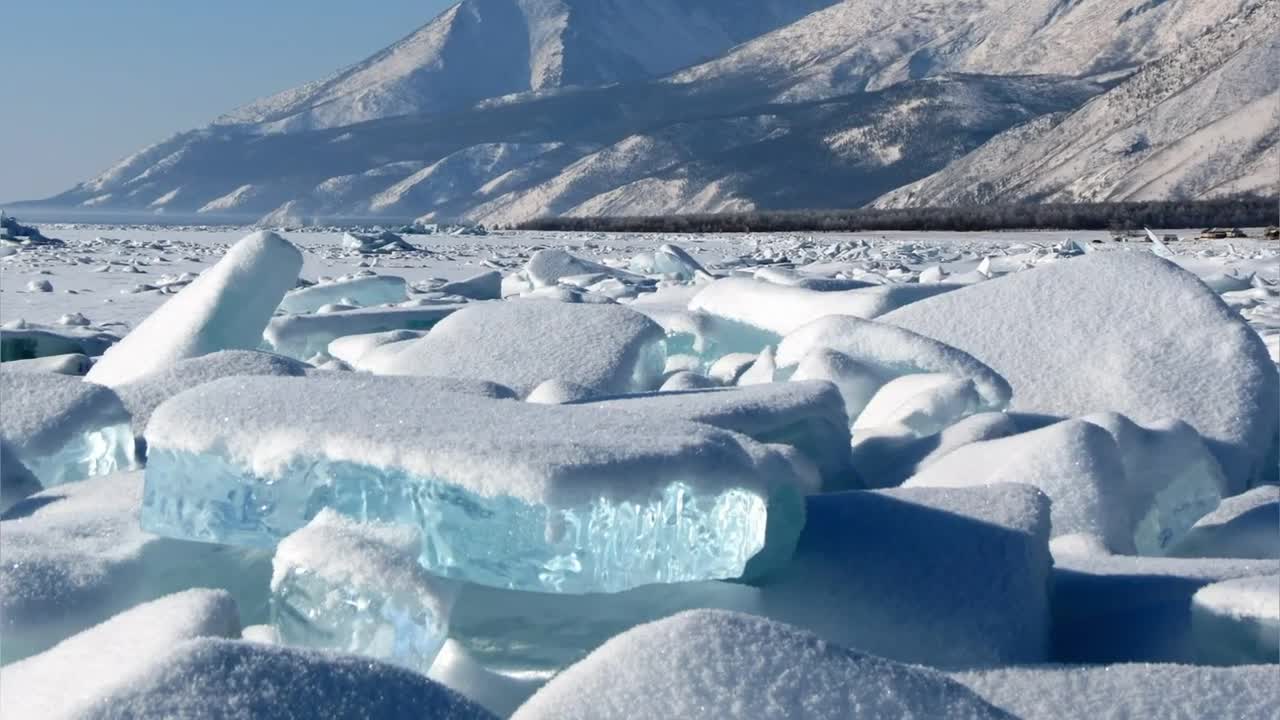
<point x="385" y="241"/>
<point x="1114" y="608"/>
<point x="883" y="352"/>
<point x="1074" y="462"/>
<point x="729" y="368"/>
<point x="809" y="416"/>
<point x="217" y="679"/>
<point x="1129" y="691"/>
<point x="888" y="460"/>
<point x="686" y="380"/>
<point x="717" y="665"/>
<point x="1244" y="526"/>
<point x="920" y="405"/>
<point x="69" y="364"/>
<point x="558" y="392"/>
<point x="359" y="290"/>
<point x="20" y="340"/>
<point x="557" y="498"/>
<point x="306" y="336"/>
<point x="350" y="348"/>
<point x="485" y="286"/>
<point x="225" y="308"/>
<point x="705" y="336"/>
<point x="521" y="343"/>
<point x="761" y="371"/>
<point x="1171" y="478"/>
<point x="1237" y="622"/>
<point x="1176" y="351"/>
<point x="16" y="480"/>
<point x="947" y="577"/>
<point x="547" y="267"/>
<point x="75" y="555"/>
<point x="141" y="397"/>
<point x="63" y="429"/>
<point x="545" y="633"/>
<point x="793" y="278"/>
<point x="69" y="679"/>
<point x="782" y="309"/>
<point x="339" y="584"/>
<point x="670" y="260"/>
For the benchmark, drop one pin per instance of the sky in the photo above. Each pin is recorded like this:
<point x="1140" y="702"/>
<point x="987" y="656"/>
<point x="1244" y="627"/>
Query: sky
<point x="85" y="83"/>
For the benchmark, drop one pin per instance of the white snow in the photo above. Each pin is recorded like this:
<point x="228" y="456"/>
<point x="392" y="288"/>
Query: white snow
<point x="948" y="577"/>
<point x="1237" y="621"/>
<point x="1120" y="331"/>
<point x="782" y="309"/>
<point x="225" y="308"/>
<point x="1244" y="526"/>
<point x="605" y="348"/>
<point x="358" y="290"/>
<point x="67" y="680"/>
<point x="718" y="664"/>
<point x="1129" y="691"/>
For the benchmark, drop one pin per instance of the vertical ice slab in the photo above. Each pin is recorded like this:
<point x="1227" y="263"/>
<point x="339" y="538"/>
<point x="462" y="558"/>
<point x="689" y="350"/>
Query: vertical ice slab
<point x="551" y="498"/>
<point x="225" y="308"/>
<point x="63" y="429"/>
<point x="339" y="584"/>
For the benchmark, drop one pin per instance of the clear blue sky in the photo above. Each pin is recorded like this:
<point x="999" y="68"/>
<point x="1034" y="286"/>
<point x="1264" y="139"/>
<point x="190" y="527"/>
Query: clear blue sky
<point x="84" y="83"/>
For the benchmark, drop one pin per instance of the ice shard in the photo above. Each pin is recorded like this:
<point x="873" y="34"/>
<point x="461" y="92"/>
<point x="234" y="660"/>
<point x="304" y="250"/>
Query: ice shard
<point x="551" y="498"/>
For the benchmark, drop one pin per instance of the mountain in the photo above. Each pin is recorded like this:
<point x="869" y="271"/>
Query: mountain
<point x="502" y="110"/>
<point x="480" y="49"/>
<point x="1201" y="121"/>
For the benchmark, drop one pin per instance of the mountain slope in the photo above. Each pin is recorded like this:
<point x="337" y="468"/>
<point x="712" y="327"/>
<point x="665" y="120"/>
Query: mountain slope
<point x="481" y="49"/>
<point x="868" y="44"/>
<point x="1201" y="121"/>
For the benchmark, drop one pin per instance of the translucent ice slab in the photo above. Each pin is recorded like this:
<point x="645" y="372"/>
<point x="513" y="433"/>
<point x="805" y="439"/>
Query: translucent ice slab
<point x="357" y="587"/>
<point x="364" y="291"/>
<point x="547" y="498"/>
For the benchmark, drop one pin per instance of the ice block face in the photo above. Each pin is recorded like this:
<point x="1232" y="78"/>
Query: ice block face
<point x="353" y="587"/>
<point x="545" y="498"/>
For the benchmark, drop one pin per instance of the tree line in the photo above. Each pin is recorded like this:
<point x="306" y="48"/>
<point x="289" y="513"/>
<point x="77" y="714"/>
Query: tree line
<point x="1237" y="211"/>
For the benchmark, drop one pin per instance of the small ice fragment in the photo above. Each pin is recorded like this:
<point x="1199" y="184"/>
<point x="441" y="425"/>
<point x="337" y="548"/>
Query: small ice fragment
<point x="338" y="584"/>
<point x="40" y="286"/>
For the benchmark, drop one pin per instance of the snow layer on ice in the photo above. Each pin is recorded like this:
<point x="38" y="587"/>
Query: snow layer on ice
<point x="782" y="309"/>
<point x="521" y="343"/>
<point x="217" y="679"/>
<point x="69" y="678"/>
<point x="20" y="340"/>
<point x="888" y="460"/>
<point x="546" y="268"/>
<point x="248" y="460"/>
<point x="717" y="664"/>
<point x="16" y="481"/>
<point x="1237" y="621"/>
<point x="806" y="415"/>
<point x="948" y="577"/>
<point x="75" y="555"/>
<point x="1129" y="691"/>
<point x="669" y="260"/>
<point x="1120" y="331"/>
<point x="63" y="429"/>
<point x="68" y="364"/>
<point x="338" y="584"/>
<point x="141" y="397"/>
<point x="1111" y="608"/>
<point x="485" y="286"/>
<point x="1074" y="462"/>
<point x="225" y="308"/>
<point x="1244" y="526"/>
<point x="350" y="348"/>
<point x="306" y="336"/>
<point x="920" y="405"/>
<point x="359" y="290"/>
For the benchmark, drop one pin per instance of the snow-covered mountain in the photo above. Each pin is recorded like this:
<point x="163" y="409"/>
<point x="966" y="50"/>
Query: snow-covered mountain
<point x="1201" y="121"/>
<point x="481" y="49"/>
<point x="504" y="110"/>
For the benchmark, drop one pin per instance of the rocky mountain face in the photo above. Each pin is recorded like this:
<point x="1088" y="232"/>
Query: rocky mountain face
<point x="503" y="110"/>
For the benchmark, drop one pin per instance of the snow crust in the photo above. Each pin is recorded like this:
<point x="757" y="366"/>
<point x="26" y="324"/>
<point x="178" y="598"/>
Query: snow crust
<point x="747" y="667"/>
<point x="1176" y="351"/>
<point x="605" y="348"/>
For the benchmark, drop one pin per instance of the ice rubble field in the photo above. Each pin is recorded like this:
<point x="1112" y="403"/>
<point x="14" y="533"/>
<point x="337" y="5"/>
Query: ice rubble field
<point x="317" y="474"/>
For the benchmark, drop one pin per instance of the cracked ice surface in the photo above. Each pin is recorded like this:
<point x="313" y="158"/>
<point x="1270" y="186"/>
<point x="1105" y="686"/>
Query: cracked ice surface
<point x="546" y="498"/>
